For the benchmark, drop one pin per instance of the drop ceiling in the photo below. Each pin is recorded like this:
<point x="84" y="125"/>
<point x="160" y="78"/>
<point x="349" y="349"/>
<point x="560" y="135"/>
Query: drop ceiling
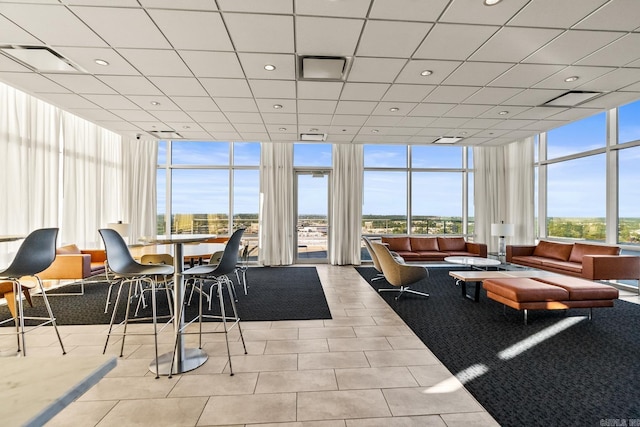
<point x="197" y="67"/>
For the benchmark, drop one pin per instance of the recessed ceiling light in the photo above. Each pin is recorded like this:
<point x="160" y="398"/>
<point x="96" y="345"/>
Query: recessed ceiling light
<point x="394" y="109"/>
<point x="277" y="106"/>
<point x="491" y="2"/>
<point x="503" y="113"/>
<point x="375" y="131"/>
<point x="282" y="129"/>
<point x="186" y="127"/>
<point x="313" y="130"/>
<point x="571" y="79"/>
<point x="269" y="67"/>
<point x="154" y="103"/>
<point x="101" y="62"/>
<point x="426" y="72"/>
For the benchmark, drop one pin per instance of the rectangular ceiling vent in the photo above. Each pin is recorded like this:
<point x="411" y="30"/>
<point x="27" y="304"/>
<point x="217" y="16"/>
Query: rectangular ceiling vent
<point x="572" y="98"/>
<point x="447" y="140"/>
<point x="165" y="134"/>
<point x="41" y="59"/>
<point x="323" y="68"/>
<point x="313" y="137"/>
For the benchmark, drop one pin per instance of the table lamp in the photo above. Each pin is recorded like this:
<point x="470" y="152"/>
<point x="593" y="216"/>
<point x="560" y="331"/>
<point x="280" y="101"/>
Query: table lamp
<point x="502" y="230"/>
<point x="121" y="227"/>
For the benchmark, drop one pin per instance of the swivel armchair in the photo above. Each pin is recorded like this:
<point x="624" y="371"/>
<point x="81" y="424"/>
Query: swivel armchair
<point x="397" y="274"/>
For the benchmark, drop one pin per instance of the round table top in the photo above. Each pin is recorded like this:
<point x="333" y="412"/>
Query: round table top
<point x="472" y="260"/>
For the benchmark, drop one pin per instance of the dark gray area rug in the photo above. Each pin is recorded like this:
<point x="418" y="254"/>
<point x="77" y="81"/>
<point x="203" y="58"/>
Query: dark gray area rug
<point x="535" y="375"/>
<point x="274" y="293"/>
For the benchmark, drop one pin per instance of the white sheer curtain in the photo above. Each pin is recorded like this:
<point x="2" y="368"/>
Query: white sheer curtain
<point x="29" y="166"/>
<point x="346" y="206"/>
<point x="140" y="160"/>
<point x="277" y="222"/>
<point x="92" y="181"/>
<point x="503" y="191"/>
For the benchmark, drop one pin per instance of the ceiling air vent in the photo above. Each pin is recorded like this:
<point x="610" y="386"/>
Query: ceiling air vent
<point x="41" y="59"/>
<point x="313" y="137"/>
<point x="328" y="68"/>
<point x="447" y="140"/>
<point x="572" y="98"/>
<point x="165" y="134"/>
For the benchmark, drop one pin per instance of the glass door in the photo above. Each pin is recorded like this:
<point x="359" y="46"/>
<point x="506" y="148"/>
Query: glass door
<point x="312" y="228"/>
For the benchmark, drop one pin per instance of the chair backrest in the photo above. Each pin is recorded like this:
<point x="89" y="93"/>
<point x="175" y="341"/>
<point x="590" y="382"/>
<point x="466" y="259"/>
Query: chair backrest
<point x="395" y="273"/>
<point x="215" y="258"/>
<point x="229" y="258"/>
<point x="166" y="259"/>
<point x="118" y="255"/>
<point x="374" y="257"/>
<point x="36" y="253"/>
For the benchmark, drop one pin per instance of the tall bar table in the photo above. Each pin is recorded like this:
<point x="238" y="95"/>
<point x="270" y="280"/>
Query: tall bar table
<point x="185" y="359"/>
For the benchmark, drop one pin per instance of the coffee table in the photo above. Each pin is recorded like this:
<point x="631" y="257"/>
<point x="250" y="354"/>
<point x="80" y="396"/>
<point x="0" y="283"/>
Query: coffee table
<point x="477" y="276"/>
<point x="477" y="263"/>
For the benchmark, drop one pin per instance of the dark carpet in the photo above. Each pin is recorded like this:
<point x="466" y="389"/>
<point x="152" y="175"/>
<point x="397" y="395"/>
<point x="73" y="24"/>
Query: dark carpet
<point x="274" y="293"/>
<point x="585" y="375"/>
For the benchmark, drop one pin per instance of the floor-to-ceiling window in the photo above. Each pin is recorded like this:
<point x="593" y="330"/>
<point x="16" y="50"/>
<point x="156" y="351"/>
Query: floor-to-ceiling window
<point x="629" y="174"/>
<point x="207" y="187"/>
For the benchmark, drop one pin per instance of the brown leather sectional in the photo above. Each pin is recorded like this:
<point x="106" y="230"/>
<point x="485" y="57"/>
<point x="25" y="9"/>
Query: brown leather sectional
<point x="73" y="263"/>
<point x="593" y="262"/>
<point x="549" y="293"/>
<point x="424" y="248"/>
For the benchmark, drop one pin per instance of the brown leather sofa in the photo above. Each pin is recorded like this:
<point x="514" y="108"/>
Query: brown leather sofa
<point x="593" y="262"/>
<point x="424" y="248"/>
<point x="71" y="263"/>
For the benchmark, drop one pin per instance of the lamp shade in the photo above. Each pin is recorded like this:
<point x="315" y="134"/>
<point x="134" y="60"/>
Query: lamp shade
<point x="121" y="227"/>
<point x="502" y="229"/>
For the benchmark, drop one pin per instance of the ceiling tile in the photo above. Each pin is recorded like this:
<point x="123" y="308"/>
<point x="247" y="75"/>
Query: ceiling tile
<point x="7" y="64"/>
<point x="618" y="15"/>
<point x="80" y="83"/>
<point x="246" y="105"/>
<point x="514" y="44"/>
<point x="475" y="12"/>
<point x="316" y="107"/>
<point x="621" y="52"/>
<point x="375" y="70"/>
<point x="431" y="109"/>
<point x="212" y="64"/>
<point x="449" y="94"/>
<point x="179" y="86"/>
<point x="314" y="119"/>
<point x="171" y="116"/>
<point x="85" y="57"/>
<point x="533" y="97"/>
<point x="131" y="85"/>
<point x="69" y="101"/>
<point x="407" y="93"/>
<point x="385" y="108"/>
<point x="182" y="4"/>
<point x="441" y="70"/>
<point x="327" y="36"/>
<point x="227" y="87"/>
<point x="572" y="46"/>
<point x="525" y="75"/>
<point x="348" y="120"/>
<point x="197" y="30"/>
<point x="381" y="120"/>
<point x="112" y="102"/>
<point x="391" y="39"/>
<point x="53" y="23"/>
<point x="32" y="83"/>
<point x="416" y="121"/>
<point x="502" y="112"/>
<point x="260" y="33"/>
<point x="257" y="6"/>
<point x="218" y="127"/>
<point x="154" y="62"/>
<point x="153" y="103"/>
<point x="363" y="91"/>
<point x="448" y="122"/>
<point x="209" y="117"/>
<point x="492" y="95"/>
<point x="585" y="74"/>
<point x="453" y="41"/>
<point x="319" y="90"/>
<point x="253" y="66"/>
<point x="250" y="127"/>
<point x="477" y="73"/>
<point x="125" y="28"/>
<point x="350" y="9"/>
<point x="614" y="80"/>
<point x="255" y="136"/>
<point x="195" y="103"/>
<point x="10" y="33"/>
<point x="273" y="88"/>
<point x="276" y="118"/>
<point x="355" y="107"/>
<point x="408" y="10"/>
<point x="467" y="111"/>
<point x="269" y="105"/>
<point x="555" y="14"/>
<point x="538" y="113"/>
<point x="237" y="117"/>
<point x="95" y="114"/>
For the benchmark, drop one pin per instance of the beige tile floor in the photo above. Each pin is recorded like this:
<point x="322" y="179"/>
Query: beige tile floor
<point x="362" y="368"/>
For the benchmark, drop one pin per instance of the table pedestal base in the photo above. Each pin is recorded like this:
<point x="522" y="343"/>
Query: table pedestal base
<point x="193" y="358"/>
